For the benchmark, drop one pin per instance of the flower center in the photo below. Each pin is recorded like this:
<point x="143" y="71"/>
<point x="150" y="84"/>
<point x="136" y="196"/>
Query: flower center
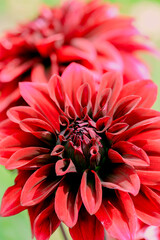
<point x="84" y="145"/>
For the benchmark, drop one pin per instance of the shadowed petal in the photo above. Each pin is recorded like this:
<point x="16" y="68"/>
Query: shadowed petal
<point x="91" y="191"/>
<point x="68" y="201"/>
<point x="24" y="156"/>
<point x="11" y="200"/>
<point x="131" y="154"/>
<point x="123" y="178"/>
<point x="46" y="223"/>
<point x="40" y="184"/>
<point x="87" y="227"/>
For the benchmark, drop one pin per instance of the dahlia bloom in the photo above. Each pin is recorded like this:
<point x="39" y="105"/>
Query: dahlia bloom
<point x="86" y="155"/>
<point x="92" y="34"/>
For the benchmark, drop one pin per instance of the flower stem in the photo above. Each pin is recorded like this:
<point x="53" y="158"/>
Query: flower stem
<point x="105" y="235"/>
<point x="63" y="232"/>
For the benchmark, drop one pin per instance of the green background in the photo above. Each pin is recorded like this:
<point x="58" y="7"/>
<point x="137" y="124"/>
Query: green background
<point x="147" y="15"/>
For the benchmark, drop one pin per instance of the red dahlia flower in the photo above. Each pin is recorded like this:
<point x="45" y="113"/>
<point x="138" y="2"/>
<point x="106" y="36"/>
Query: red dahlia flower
<point x="92" y="34"/>
<point x="87" y="157"/>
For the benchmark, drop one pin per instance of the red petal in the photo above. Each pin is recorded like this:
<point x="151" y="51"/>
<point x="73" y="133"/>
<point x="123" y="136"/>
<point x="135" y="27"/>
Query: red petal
<point x="64" y="166"/>
<point x="17" y="114"/>
<point x="123" y="217"/>
<point x="47" y="45"/>
<point x="19" y="139"/>
<point x="131" y="154"/>
<point x="87" y="227"/>
<point x="117" y="128"/>
<point x="46" y="223"/>
<point x="123" y="178"/>
<point x="9" y="95"/>
<point x="40" y="184"/>
<point x="114" y="81"/>
<point x="148" y="177"/>
<point x="37" y="96"/>
<point x="24" y="155"/>
<point x="39" y="128"/>
<point x="82" y="75"/>
<point x="11" y="200"/>
<point x="84" y="95"/>
<point x="56" y="91"/>
<point x="125" y="105"/>
<point x="146" y="207"/>
<point x="79" y="49"/>
<point x="132" y="64"/>
<point x="133" y="131"/>
<point x="91" y="191"/>
<point x="141" y="114"/>
<point x="143" y="88"/>
<point x="38" y="74"/>
<point x="108" y="56"/>
<point x="103" y="123"/>
<point x="16" y="68"/>
<point x="101" y="103"/>
<point x="68" y="201"/>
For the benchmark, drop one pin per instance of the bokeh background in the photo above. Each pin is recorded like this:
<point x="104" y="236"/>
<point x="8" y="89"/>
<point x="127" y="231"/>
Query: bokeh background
<point x="147" y="19"/>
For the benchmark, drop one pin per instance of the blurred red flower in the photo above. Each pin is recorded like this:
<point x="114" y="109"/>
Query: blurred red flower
<point x="92" y="34"/>
<point x="146" y="232"/>
<point x="86" y="155"/>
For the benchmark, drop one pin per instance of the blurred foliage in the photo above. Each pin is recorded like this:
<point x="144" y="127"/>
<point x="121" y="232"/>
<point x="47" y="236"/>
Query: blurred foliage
<point x="11" y="12"/>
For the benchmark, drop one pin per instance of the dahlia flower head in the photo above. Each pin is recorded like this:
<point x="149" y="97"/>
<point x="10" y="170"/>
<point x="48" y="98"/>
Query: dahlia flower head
<point x="92" y="34"/>
<point x="86" y="155"/>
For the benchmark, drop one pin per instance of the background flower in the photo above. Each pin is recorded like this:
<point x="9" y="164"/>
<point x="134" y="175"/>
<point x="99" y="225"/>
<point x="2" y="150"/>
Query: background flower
<point x="146" y="232"/>
<point x="92" y="34"/>
<point x="90" y="154"/>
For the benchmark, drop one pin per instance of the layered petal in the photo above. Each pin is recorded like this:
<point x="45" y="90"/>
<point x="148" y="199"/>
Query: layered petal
<point x="87" y="227"/>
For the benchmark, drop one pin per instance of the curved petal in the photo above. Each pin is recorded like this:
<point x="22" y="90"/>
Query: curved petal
<point x="114" y="81"/>
<point x="46" y="223"/>
<point x="46" y="45"/>
<point x="56" y="91"/>
<point x="64" y="166"/>
<point x="17" y="114"/>
<point x="11" y="204"/>
<point x="68" y="201"/>
<point x="19" y="139"/>
<point x="131" y="154"/>
<point x="123" y="178"/>
<point x="87" y="227"/>
<point x="91" y="191"/>
<point x="122" y="216"/>
<point x="125" y="105"/>
<point x="146" y="207"/>
<point x="133" y="65"/>
<point x="24" y="156"/>
<point x="149" y="177"/>
<point x="37" y="96"/>
<point x="40" y="184"/>
<point x="143" y="88"/>
<point x="82" y="75"/>
<point x="108" y="56"/>
<point x="38" y="74"/>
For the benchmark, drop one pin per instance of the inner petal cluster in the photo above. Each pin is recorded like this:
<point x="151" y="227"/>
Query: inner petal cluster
<point x="81" y="142"/>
